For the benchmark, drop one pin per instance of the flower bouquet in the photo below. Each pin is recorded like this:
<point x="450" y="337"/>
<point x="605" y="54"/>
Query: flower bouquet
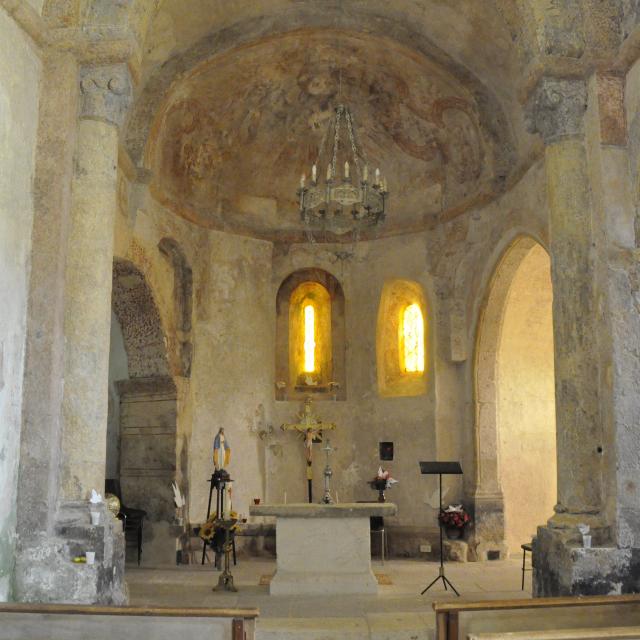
<point x="382" y="482"/>
<point x="454" y="519"/>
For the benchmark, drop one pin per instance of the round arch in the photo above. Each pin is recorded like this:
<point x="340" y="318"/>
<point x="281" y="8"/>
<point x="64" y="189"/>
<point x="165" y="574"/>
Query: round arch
<point x="143" y="414"/>
<point x="512" y="398"/>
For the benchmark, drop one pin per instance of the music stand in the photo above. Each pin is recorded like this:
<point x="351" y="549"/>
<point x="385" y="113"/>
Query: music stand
<point x="440" y="469"/>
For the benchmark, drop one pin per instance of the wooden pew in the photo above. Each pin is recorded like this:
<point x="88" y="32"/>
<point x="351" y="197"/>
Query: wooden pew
<point x="457" y="620"/>
<point x="24" y="621"/>
<point x="608" y="633"/>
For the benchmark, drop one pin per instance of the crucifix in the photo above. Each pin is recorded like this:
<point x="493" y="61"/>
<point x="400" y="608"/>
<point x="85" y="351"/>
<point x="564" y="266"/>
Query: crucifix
<point x="310" y="428"/>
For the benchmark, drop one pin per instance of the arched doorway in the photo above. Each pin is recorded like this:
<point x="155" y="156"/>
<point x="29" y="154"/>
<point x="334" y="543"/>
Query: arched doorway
<point x="142" y="421"/>
<point x="515" y="403"/>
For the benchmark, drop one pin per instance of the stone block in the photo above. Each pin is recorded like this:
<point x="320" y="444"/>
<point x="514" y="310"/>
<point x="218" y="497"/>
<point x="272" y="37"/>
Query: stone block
<point x="45" y="571"/>
<point x="456" y="550"/>
<point x="562" y="568"/>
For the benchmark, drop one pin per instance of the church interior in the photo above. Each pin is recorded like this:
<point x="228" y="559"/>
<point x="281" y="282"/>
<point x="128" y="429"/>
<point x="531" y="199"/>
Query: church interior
<point x="259" y="260"/>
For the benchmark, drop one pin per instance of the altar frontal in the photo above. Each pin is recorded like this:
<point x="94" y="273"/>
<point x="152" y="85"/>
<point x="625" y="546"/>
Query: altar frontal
<point x="323" y="548"/>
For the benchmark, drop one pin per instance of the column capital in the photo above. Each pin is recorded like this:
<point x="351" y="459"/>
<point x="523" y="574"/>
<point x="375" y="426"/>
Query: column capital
<point x="105" y="92"/>
<point x="556" y="108"/>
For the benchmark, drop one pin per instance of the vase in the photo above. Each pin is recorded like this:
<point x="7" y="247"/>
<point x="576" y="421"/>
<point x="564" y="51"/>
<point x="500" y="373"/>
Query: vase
<point x="454" y="533"/>
<point x="380" y="486"/>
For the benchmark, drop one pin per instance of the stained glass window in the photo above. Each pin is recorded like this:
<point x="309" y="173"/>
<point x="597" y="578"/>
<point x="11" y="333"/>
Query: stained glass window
<point x="413" y="339"/>
<point x="309" y="339"/>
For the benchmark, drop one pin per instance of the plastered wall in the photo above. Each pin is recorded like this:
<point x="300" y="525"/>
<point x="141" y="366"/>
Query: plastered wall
<point x="365" y="418"/>
<point x="232" y="382"/>
<point x="526" y="401"/>
<point x="18" y="128"/>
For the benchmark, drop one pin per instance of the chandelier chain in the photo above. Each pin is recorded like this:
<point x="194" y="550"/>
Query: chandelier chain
<point x="352" y="139"/>
<point x="336" y="142"/>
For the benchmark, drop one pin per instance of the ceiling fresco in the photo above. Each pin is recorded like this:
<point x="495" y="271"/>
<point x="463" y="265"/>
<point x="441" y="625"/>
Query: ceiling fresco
<point x="232" y="138"/>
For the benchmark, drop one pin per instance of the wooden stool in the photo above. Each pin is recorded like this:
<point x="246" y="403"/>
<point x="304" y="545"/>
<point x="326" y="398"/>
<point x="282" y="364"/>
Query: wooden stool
<point x="525" y="547"/>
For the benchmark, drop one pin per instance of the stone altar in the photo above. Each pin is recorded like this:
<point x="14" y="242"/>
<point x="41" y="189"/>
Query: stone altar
<point x="323" y="548"/>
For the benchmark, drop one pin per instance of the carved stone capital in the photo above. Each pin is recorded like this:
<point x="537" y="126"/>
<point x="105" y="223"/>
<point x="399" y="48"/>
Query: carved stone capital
<point x="556" y="108"/>
<point x="105" y="93"/>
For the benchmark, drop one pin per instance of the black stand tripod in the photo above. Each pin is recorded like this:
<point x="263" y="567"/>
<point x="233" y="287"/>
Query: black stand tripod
<point x="440" y="468"/>
<point x="218" y="481"/>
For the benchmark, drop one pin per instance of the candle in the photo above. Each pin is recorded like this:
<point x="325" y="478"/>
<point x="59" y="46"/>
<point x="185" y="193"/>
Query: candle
<point x="346" y="169"/>
<point x="377" y="176"/>
<point x="302" y="180"/>
<point x="314" y="175"/>
<point x="328" y="173"/>
<point x="285" y="497"/>
<point x="365" y="173"/>
<point x="337" y="499"/>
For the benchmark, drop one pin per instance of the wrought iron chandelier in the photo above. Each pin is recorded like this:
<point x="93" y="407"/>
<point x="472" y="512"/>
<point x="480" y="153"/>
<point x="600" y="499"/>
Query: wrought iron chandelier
<point x="342" y="203"/>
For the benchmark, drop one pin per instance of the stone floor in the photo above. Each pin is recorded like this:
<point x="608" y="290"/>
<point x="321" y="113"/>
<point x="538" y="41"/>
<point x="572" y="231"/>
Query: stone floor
<point x="398" y="612"/>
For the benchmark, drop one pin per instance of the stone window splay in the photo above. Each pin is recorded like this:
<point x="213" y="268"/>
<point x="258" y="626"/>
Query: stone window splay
<point x="401" y="340"/>
<point x="310" y="337"/>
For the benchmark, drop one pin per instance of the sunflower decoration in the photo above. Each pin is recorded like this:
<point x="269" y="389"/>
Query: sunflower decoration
<point x="208" y="529"/>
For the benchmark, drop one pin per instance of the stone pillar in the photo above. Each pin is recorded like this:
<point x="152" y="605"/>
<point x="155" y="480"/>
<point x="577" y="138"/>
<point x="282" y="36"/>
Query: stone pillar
<point x="559" y="110"/>
<point x="105" y="94"/>
<point x="578" y="246"/>
<point x="63" y="454"/>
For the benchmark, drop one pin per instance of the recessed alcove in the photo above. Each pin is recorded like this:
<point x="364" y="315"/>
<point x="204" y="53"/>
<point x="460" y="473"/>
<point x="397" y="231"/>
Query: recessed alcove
<point x="310" y="336"/>
<point x="401" y="341"/>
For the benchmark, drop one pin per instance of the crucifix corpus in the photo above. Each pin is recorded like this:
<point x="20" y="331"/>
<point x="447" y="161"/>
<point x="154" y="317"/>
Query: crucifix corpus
<point x="310" y="428"/>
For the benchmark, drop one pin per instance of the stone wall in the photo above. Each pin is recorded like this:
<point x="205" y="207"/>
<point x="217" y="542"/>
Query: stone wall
<point x="18" y="127"/>
<point x="365" y="418"/>
<point x="232" y="381"/>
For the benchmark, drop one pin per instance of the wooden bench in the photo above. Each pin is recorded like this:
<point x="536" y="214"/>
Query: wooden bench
<point x="460" y="619"/>
<point x="607" y="633"/>
<point x="22" y="621"/>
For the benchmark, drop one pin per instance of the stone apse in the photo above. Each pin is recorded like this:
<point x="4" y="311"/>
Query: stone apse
<point x="171" y="139"/>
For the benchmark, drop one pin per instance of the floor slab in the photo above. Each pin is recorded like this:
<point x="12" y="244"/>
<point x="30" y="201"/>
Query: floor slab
<point x="397" y="612"/>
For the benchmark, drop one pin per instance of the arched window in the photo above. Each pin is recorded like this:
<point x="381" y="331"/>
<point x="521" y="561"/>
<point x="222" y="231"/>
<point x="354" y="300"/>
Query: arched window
<point x="310" y="336"/>
<point x="411" y="336"/>
<point x="401" y="341"/>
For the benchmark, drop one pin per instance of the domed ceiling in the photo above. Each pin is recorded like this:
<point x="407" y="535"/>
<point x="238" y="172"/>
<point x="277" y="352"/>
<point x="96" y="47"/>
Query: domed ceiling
<point x="232" y="137"/>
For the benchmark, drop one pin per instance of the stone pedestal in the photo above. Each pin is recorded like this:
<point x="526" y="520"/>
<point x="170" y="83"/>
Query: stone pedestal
<point x="563" y="568"/>
<point x="323" y="549"/>
<point x="45" y="571"/>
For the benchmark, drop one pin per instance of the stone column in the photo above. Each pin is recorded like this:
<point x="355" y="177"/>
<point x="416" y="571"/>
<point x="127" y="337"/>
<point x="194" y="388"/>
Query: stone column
<point x="596" y="343"/>
<point x="105" y="94"/>
<point x="557" y="111"/>
<point x="63" y="453"/>
<point x="558" y="114"/>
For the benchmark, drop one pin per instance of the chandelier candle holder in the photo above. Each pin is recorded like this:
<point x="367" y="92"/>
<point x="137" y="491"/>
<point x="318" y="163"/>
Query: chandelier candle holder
<point x="342" y="203"/>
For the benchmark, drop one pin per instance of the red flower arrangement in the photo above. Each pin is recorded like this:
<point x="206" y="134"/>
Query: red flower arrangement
<point x="454" y="517"/>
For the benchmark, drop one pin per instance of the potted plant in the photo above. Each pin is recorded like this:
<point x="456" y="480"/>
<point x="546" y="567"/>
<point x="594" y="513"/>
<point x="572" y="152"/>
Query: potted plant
<point x="454" y="519"/>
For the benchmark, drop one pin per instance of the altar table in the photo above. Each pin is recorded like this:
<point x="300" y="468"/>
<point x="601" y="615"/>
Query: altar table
<point x="323" y="548"/>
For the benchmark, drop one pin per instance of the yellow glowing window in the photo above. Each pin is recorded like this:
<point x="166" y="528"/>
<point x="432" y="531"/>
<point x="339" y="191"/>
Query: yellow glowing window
<point x="413" y="339"/>
<point x="309" y="339"/>
<point x="310" y="335"/>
